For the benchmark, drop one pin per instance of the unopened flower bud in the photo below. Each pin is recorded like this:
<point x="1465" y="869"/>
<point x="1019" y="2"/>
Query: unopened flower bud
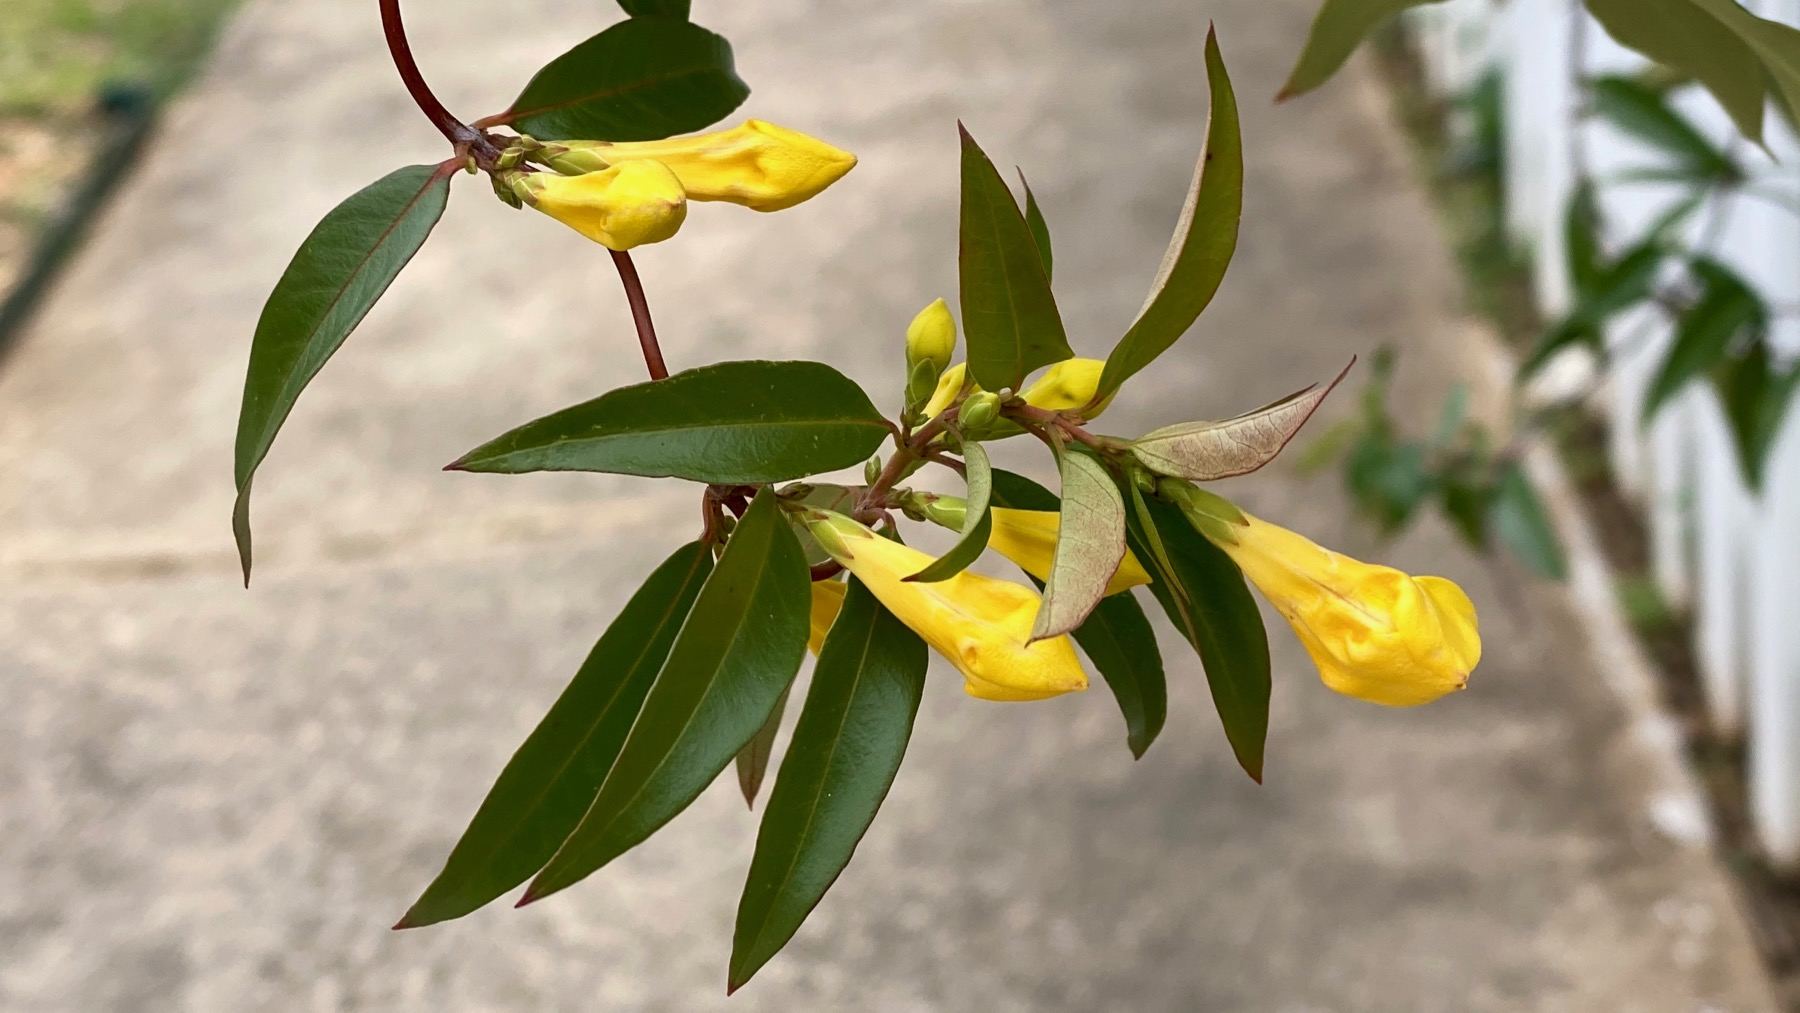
<point x="980" y="410"/>
<point x="931" y="337"/>
<point x="626" y="206"/>
<point x="758" y="164"/>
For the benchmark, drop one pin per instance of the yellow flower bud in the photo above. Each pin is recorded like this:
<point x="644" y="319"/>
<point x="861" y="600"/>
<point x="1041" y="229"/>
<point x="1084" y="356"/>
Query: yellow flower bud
<point x="1065" y="387"/>
<point x="949" y="385"/>
<point x="619" y="208"/>
<point x="931" y="337"/>
<point x="758" y="165"/>
<point x="980" y="624"/>
<point x="827" y="602"/>
<point x="1375" y="633"/>
<point x="1068" y="386"/>
<point x="1028" y="538"/>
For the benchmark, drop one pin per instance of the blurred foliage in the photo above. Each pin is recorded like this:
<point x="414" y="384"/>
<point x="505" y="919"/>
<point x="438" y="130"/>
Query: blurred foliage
<point x="60" y="54"/>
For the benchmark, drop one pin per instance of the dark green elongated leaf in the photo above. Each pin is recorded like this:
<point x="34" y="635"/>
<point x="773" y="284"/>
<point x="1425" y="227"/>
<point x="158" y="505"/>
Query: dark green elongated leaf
<point x="1208" y="451"/>
<point x="1339" y="27"/>
<point x="847" y="748"/>
<point x="731" y="422"/>
<point x="639" y="80"/>
<point x="1518" y="520"/>
<point x="1090" y="544"/>
<point x="735" y="655"/>
<point x="1581" y="238"/>
<point x="1213" y="610"/>
<point x="350" y="259"/>
<point x="1678" y="34"/>
<point x="1626" y="282"/>
<point x="1117" y="637"/>
<point x="677" y="9"/>
<point x="1204" y="240"/>
<point x="550" y="782"/>
<point x="1756" y="397"/>
<point x="1727" y="310"/>
<point x="978" y="522"/>
<point x="753" y="759"/>
<point x="1040" y="229"/>
<point x="1645" y="114"/>
<point x="1010" y="320"/>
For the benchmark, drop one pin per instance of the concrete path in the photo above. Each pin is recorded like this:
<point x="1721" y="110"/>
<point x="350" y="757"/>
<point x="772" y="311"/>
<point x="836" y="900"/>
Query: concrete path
<point x="218" y="800"/>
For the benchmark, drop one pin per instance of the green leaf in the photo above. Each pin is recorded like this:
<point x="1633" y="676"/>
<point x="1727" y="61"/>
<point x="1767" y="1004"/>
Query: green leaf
<point x="1040" y="229"/>
<point x="753" y="759"/>
<point x="1206" y="598"/>
<point x="1644" y="113"/>
<point x="742" y="422"/>
<point x="1208" y="451"/>
<point x="1775" y="44"/>
<point x="1755" y="397"/>
<point x="1727" y="309"/>
<point x="1678" y="34"/>
<point x="1205" y="238"/>
<point x="977" y="523"/>
<point x="1388" y="479"/>
<point x="550" y="782"/>
<point x="1581" y="237"/>
<point x="1468" y="505"/>
<point x="1518" y="520"/>
<point x="846" y="750"/>
<point x="1117" y="637"/>
<point x="1627" y="281"/>
<point x="735" y="655"/>
<point x="1010" y="321"/>
<point x="677" y="9"/>
<point x="639" y="80"/>
<point x="350" y="259"/>
<point x="1341" y="26"/>
<point x="1090" y="544"/>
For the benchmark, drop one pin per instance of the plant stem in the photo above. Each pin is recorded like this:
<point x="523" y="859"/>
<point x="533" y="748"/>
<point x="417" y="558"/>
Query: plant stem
<point x="640" y="314"/>
<point x="454" y="130"/>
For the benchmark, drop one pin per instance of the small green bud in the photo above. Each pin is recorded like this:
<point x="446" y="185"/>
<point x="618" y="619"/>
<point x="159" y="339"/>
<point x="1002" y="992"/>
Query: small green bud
<point x="931" y="337"/>
<point x="921" y="384"/>
<point x="573" y="158"/>
<point x="979" y="411"/>
<point x="871" y="470"/>
<point x="948" y="511"/>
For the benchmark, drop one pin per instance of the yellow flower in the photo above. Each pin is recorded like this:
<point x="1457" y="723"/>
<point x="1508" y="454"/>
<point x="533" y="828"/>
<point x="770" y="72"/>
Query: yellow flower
<point x="1065" y="387"/>
<point x="980" y="624"/>
<point x="1376" y="634"/>
<point x="758" y="164"/>
<point x="827" y="602"/>
<point x="1028" y="538"/>
<point x="619" y="208"/>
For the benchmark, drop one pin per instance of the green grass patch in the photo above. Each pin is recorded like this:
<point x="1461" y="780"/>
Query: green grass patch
<point x="59" y="54"/>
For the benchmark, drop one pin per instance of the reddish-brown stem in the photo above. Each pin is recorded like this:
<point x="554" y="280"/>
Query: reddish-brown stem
<point x="454" y="130"/>
<point x="640" y="314"/>
<point x="1035" y="418"/>
<point x="826" y="570"/>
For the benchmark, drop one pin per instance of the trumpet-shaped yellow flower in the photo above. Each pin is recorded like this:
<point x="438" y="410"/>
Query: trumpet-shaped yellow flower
<point x="757" y="164"/>
<point x="980" y="624"/>
<point x="1028" y="538"/>
<point x="827" y="602"/>
<point x="625" y="206"/>
<point x="1065" y="387"/>
<point x="1376" y="634"/>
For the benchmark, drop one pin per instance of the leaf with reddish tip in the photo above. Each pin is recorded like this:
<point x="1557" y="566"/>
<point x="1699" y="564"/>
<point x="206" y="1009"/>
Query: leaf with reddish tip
<point x="1208" y="451"/>
<point x="1090" y="544"/>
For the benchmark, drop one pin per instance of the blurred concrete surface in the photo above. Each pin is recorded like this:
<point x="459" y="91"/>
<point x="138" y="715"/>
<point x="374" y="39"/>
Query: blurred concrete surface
<point x="216" y="799"/>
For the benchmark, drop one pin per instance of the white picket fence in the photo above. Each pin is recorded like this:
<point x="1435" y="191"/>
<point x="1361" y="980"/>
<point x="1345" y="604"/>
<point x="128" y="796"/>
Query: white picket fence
<point x="1731" y="557"/>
